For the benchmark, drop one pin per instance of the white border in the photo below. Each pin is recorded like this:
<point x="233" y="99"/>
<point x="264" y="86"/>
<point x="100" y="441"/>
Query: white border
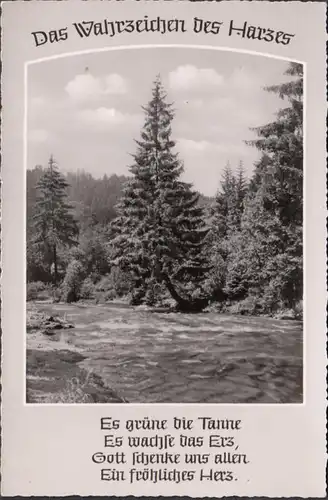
<point x="180" y="46"/>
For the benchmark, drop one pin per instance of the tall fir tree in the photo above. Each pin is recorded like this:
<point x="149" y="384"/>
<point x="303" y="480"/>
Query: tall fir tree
<point x="226" y="211"/>
<point x="272" y="222"/>
<point x="54" y="226"/>
<point x="281" y="142"/>
<point x="241" y="189"/>
<point x="159" y="232"/>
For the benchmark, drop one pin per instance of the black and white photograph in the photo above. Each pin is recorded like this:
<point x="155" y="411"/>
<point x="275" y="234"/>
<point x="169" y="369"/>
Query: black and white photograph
<point x="164" y="228"/>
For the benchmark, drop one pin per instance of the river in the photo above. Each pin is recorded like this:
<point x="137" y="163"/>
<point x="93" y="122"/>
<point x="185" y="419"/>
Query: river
<point x="158" y="357"/>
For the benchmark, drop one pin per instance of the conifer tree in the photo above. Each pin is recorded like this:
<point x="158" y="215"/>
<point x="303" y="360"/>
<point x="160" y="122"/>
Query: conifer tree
<point x="226" y="219"/>
<point x="54" y="226"/>
<point x="241" y="189"/>
<point x="159" y="231"/>
<point x="272" y="222"/>
<point x="281" y="141"/>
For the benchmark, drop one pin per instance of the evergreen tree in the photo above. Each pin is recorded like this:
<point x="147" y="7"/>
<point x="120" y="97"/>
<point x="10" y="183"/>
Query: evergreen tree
<point x="241" y="190"/>
<point x="54" y="226"/>
<point x="159" y="231"/>
<point x="282" y="142"/>
<point x="272" y="222"/>
<point x="227" y="211"/>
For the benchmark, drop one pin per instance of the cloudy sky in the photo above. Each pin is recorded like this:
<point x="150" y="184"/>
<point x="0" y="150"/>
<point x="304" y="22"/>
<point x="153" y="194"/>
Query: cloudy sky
<point x="86" y="109"/>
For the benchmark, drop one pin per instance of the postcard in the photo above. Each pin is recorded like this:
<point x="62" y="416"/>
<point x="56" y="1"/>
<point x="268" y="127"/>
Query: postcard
<point x="164" y="248"/>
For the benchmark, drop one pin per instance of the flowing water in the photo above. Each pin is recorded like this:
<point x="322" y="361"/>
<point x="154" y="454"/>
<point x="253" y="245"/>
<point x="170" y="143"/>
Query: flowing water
<point x="153" y="357"/>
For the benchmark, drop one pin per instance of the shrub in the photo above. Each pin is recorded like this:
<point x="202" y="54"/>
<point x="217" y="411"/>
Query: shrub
<point x="104" y="284"/>
<point x="121" y="281"/>
<point x="251" y="305"/>
<point x="37" y="290"/>
<point x="87" y="289"/>
<point x="156" y="293"/>
<point x="110" y="295"/>
<point x="298" y="309"/>
<point x="56" y="294"/>
<point x="74" y="392"/>
<point x="72" y="284"/>
<point x="117" y="282"/>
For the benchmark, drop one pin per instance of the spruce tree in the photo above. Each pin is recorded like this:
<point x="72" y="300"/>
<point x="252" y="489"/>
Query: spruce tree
<point x="272" y="222"/>
<point x="281" y="141"/>
<point x="227" y="211"/>
<point x="241" y="189"/>
<point x="54" y="226"/>
<point x="159" y="232"/>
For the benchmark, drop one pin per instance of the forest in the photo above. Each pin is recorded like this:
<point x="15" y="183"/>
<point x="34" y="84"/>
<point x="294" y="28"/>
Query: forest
<point x="151" y="239"/>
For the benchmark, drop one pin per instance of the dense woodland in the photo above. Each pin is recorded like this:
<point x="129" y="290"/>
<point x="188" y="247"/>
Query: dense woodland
<point x="152" y="239"/>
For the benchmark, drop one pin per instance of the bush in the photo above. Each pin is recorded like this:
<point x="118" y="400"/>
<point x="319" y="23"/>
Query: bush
<point x="92" y="251"/>
<point x="156" y="293"/>
<point x="250" y="306"/>
<point x="56" y="294"/>
<point x="104" y="284"/>
<point x="87" y="289"/>
<point x="110" y="295"/>
<point x="72" y="284"/>
<point x="74" y="392"/>
<point x="121" y="281"/>
<point x="37" y="290"/>
<point x="117" y="282"/>
<point x="298" y="309"/>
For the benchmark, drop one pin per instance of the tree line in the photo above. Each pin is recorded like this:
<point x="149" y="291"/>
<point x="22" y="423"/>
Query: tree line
<point x="152" y="237"/>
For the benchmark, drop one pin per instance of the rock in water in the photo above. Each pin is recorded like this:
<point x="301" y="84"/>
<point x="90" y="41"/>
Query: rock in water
<point x="48" y="332"/>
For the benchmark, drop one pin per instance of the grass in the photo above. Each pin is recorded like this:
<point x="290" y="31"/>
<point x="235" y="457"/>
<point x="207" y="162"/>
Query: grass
<point x="73" y="392"/>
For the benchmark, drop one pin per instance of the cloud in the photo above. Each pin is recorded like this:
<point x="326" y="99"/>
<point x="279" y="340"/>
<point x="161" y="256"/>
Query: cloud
<point x="115" y="84"/>
<point x="86" y="87"/>
<point x="192" y="146"/>
<point x="105" y="117"/>
<point x="38" y="136"/>
<point x="193" y="104"/>
<point x="190" y="77"/>
<point x="243" y="79"/>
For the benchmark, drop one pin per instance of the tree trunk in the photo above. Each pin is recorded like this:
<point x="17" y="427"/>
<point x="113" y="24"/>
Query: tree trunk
<point x="193" y="305"/>
<point x="185" y="305"/>
<point x="55" y="265"/>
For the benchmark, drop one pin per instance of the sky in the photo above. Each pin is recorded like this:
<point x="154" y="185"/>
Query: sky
<point x="86" y="109"/>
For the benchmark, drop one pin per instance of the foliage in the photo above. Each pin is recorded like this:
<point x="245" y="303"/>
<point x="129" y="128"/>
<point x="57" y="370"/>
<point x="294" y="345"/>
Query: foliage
<point x="72" y="284"/>
<point x="93" y="251"/>
<point x="54" y="225"/>
<point x="282" y="142"/>
<point x="255" y="240"/>
<point x="36" y="290"/>
<point x="159" y="229"/>
<point x="94" y="199"/>
<point x="150" y="236"/>
<point x="37" y="268"/>
<point x="115" y="284"/>
<point x="87" y="290"/>
<point x="276" y="207"/>
<point x="120" y="281"/>
<point x="75" y="391"/>
<point x="226" y="215"/>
